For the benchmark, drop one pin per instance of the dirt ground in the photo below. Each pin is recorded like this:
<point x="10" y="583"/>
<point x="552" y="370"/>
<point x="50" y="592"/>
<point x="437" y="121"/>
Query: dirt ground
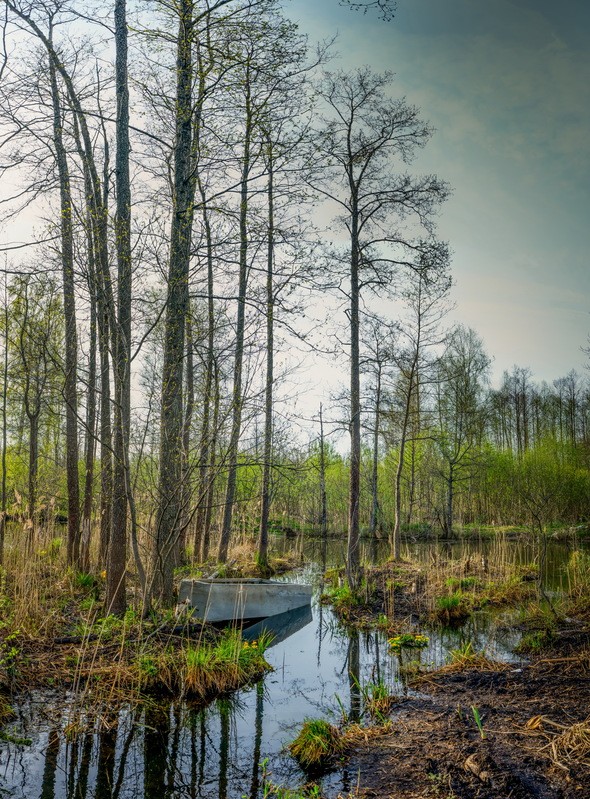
<point x="530" y="749"/>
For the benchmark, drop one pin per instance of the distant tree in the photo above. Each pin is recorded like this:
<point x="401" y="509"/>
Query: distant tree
<point x="36" y="320"/>
<point x="366" y="142"/>
<point x="462" y="374"/>
<point x="425" y="296"/>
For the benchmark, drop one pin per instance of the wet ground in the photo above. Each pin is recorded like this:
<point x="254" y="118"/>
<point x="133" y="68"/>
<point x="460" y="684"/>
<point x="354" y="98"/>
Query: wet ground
<point x="434" y="749"/>
<point x="528" y="748"/>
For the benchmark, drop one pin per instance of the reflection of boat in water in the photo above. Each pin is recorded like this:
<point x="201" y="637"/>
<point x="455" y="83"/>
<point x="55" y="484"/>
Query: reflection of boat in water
<point x="238" y="599"/>
<point x="280" y="626"/>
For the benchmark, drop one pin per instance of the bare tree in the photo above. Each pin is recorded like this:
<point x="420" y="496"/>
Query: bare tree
<point x="360" y="141"/>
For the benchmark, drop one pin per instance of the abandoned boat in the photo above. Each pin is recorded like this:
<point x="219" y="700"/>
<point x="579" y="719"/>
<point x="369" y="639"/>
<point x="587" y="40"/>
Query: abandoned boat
<point x="216" y="599"/>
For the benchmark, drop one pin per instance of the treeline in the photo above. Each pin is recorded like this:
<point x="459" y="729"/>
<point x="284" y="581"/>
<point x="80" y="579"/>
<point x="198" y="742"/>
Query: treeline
<point x="181" y="156"/>
<point x="478" y="466"/>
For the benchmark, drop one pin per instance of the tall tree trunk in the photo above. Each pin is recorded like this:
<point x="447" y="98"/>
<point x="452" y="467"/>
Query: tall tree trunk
<point x="323" y="499"/>
<point x="450" y="502"/>
<point x="212" y="464"/>
<point x="170" y="479"/>
<point x="237" y="399"/>
<point x="98" y="214"/>
<point x="375" y="465"/>
<point x="116" y="598"/>
<point x="396" y="537"/>
<point x="353" y="544"/>
<point x="206" y="442"/>
<point x="33" y="472"/>
<point x="268" y="395"/>
<point x="4" y="428"/>
<point x="180" y="555"/>
<point x="106" y="438"/>
<point x="90" y="445"/>
<point x="71" y="335"/>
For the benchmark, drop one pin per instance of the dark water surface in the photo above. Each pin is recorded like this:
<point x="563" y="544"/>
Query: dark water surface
<point x="178" y="751"/>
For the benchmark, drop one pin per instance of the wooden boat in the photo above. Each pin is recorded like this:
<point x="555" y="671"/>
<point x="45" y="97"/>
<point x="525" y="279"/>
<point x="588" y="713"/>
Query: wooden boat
<point x="217" y="599"/>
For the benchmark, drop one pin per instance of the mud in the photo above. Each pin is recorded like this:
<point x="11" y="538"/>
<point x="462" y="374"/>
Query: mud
<point x="435" y="749"/>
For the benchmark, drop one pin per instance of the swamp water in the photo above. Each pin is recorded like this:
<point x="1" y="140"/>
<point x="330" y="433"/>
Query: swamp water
<point x="176" y="751"/>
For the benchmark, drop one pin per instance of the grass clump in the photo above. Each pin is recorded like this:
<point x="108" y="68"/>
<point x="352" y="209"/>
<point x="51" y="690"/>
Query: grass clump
<point x="462" y="583"/>
<point x="453" y="608"/>
<point x="342" y="597"/>
<point x="513" y="590"/>
<point x="318" y="745"/>
<point x="536" y="641"/>
<point x="465" y="657"/>
<point x="407" y="641"/>
<point x="201" y="670"/>
<point x="578" y="588"/>
<point x="377" y="700"/>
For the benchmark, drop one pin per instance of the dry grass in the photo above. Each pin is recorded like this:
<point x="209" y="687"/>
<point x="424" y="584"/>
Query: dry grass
<point x="242" y="562"/>
<point x="566" y="745"/>
<point x="53" y="634"/>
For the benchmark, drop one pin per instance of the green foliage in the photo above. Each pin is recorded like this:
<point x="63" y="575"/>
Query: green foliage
<point x="464" y="654"/>
<point x="478" y="721"/>
<point x="407" y="641"/>
<point x="377" y="700"/>
<point x="578" y="583"/>
<point x="462" y="583"/>
<point x="9" y="654"/>
<point x="452" y="608"/>
<point x="535" y="641"/>
<point x="317" y="744"/>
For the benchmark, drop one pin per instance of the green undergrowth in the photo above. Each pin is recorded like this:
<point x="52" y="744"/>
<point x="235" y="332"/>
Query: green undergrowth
<point x="448" y="592"/>
<point x="201" y="670"/>
<point x="270" y="790"/>
<point x="318" y="745"/>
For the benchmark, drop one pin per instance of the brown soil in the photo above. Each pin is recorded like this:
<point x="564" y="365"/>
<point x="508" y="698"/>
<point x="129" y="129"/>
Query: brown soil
<point x="535" y="718"/>
<point x="435" y="751"/>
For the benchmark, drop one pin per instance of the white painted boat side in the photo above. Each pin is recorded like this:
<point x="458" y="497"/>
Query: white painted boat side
<point x="226" y="599"/>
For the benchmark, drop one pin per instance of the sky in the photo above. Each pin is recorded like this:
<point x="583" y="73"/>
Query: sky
<point x="506" y="85"/>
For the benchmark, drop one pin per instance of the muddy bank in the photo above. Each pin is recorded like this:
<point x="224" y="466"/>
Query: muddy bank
<point x="530" y="745"/>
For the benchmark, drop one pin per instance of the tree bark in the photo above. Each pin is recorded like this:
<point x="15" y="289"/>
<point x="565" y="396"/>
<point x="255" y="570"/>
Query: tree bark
<point x="268" y="398"/>
<point x="4" y="428"/>
<point x="90" y="446"/>
<point x="180" y="555"/>
<point x="353" y="544"/>
<point x="170" y="480"/>
<point x="116" y="598"/>
<point x="237" y="399"/>
<point x="374" y="522"/>
<point x="323" y="498"/>
<point x="71" y="335"/>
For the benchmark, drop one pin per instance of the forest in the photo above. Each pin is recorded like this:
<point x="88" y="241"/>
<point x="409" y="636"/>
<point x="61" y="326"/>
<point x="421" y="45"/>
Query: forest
<point x="148" y="337"/>
<point x="214" y="211"/>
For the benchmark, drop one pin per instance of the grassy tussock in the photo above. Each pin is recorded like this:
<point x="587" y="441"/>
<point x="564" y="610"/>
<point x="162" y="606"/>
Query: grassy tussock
<point x="54" y="633"/>
<point x="203" y="670"/>
<point x="318" y="745"/>
<point x="242" y="562"/>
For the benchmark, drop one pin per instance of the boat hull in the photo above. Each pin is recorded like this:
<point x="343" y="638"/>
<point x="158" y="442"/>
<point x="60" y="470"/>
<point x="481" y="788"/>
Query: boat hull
<point x="238" y="599"/>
